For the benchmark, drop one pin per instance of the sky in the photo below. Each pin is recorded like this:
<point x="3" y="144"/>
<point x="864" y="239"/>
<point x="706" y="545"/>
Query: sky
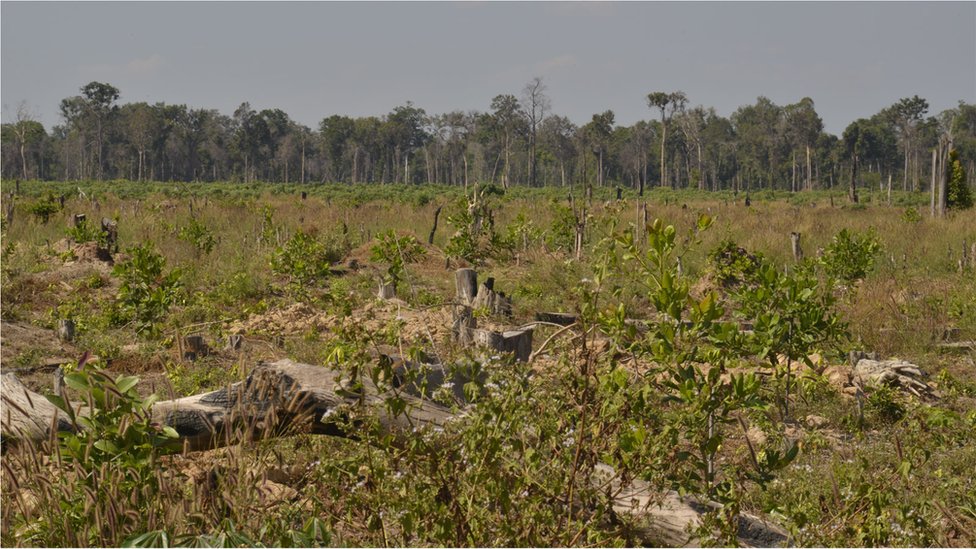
<point x="316" y="59"/>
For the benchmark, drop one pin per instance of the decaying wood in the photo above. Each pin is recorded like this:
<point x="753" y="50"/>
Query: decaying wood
<point x="795" y="246"/>
<point x="496" y="303"/>
<point x="194" y="347"/>
<point x="386" y="291"/>
<point x="518" y="342"/>
<point x="278" y="397"/>
<point x="466" y="282"/>
<point x="66" y="329"/>
<point x="563" y="319"/>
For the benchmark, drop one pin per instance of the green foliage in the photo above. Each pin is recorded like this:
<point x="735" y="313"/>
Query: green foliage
<point x="689" y="397"/>
<point x="397" y="252"/>
<point x="958" y="194"/>
<point x="562" y="230"/>
<point x="112" y="449"/>
<point x="199" y="235"/>
<point x="850" y="256"/>
<point x="733" y="265"/>
<point x="305" y="260"/>
<point x="911" y="216"/>
<point x="146" y="292"/>
<point x="44" y="208"/>
<point x="793" y="316"/>
<point x="85" y="232"/>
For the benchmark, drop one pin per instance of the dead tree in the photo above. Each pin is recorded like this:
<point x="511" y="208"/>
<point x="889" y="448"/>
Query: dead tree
<point x="466" y="282"/>
<point x="496" y="303"/>
<point x="795" y="245"/>
<point x="194" y="347"/>
<point x="111" y="230"/>
<point x="66" y="329"/>
<point x="437" y="214"/>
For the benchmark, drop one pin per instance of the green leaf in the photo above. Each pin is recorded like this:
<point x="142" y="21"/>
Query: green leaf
<point x="77" y="381"/>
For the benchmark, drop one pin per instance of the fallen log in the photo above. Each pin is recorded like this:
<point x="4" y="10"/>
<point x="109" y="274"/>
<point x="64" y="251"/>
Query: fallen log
<point x="276" y="397"/>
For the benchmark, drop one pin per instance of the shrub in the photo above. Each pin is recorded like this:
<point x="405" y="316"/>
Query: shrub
<point x="849" y="256"/>
<point x="396" y="251"/>
<point x="199" y="235"/>
<point x="304" y="260"/>
<point x="147" y="292"/>
<point x="958" y="194"/>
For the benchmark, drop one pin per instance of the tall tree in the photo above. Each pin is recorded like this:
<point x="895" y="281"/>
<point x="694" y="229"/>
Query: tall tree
<point x="100" y="103"/>
<point x="906" y="115"/>
<point x="668" y="104"/>
<point x="597" y="134"/>
<point x="536" y="104"/>
<point x="25" y="133"/>
<point x="508" y="119"/>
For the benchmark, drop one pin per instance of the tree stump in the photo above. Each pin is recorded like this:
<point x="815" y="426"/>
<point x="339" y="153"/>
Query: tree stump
<point x="8" y="209"/>
<point x="234" y="342"/>
<point x="66" y="330"/>
<point x="194" y="347"/>
<point x="463" y="324"/>
<point x="795" y="245"/>
<point x="437" y="214"/>
<point x="386" y="291"/>
<point x="79" y="220"/>
<point x="304" y="195"/>
<point x="518" y="342"/>
<point x="466" y="281"/>
<point x="111" y="230"/>
<point x="496" y="303"/>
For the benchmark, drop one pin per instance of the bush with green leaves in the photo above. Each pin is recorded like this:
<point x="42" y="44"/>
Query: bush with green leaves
<point x="792" y="316"/>
<point x="85" y="232"/>
<point x="958" y="194"/>
<point x="199" y="236"/>
<point x="44" y="208"/>
<point x="733" y="265"/>
<point x="305" y="260"/>
<point x="680" y="409"/>
<point x="396" y="251"/>
<point x="850" y="256"/>
<point x="147" y="290"/>
<point x="108" y="464"/>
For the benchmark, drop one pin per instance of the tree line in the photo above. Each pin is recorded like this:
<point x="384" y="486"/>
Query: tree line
<point x="517" y="141"/>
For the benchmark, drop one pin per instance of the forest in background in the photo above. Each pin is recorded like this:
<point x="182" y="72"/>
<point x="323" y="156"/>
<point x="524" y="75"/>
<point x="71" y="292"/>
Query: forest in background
<point x="519" y="140"/>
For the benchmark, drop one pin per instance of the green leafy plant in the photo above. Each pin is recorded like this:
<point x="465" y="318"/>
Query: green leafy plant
<point x="304" y="259"/>
<point x="85" y="232"/>
<point x="199" y="235"/>
<point x="850" y="256"/>
<point x="958" y="194"/>
<point x="147" y="291"/>
<point x="792" y="317"/>
<point x="397" y="252"/>
<point x="44" y="208"/>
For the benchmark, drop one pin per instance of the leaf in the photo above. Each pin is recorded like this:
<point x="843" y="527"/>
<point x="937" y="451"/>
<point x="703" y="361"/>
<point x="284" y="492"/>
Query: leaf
<point x="124" y="383"/>
<point x="77" y="381"/>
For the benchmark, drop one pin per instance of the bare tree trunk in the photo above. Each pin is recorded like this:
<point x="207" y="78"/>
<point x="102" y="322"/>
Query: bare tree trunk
<point x="934" y="184"/>
<point x="809" y="171"/>
<point x="437" y="213"/>
<point x="795" y="246"/>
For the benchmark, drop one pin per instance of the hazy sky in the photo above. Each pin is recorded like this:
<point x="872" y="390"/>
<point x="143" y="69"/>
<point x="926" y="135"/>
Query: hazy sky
<point x="313" y="60"/>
